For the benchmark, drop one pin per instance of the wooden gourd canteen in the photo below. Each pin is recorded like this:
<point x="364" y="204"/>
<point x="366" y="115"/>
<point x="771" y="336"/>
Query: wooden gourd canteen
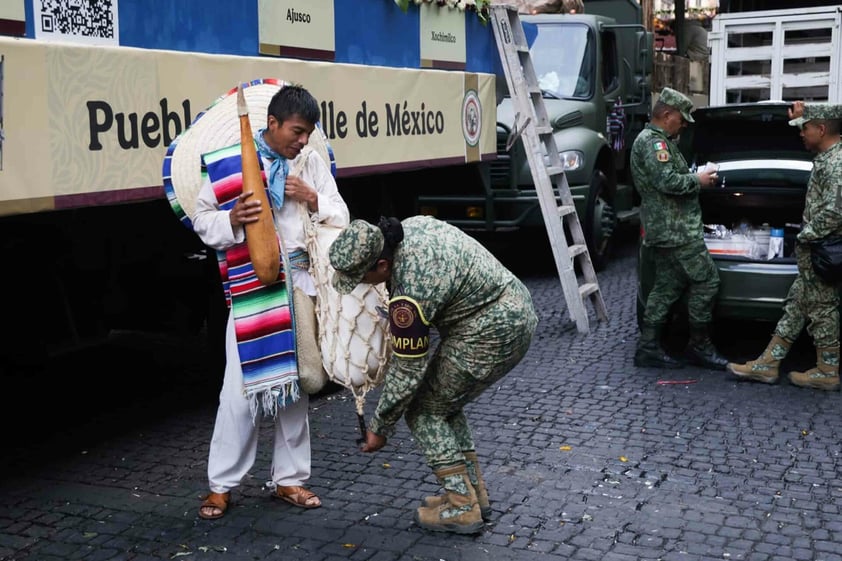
<point x="261" y="238"/>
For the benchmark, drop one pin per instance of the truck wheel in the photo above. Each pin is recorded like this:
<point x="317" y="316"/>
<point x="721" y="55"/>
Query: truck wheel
<point x="600" y="221"/>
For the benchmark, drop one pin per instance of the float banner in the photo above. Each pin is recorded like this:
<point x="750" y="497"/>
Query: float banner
<point x="91" y="125"/>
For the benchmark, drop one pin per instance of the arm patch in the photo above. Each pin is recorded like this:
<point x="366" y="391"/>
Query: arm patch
<point x="661" y="151"/>
<point x="410" y="330"/>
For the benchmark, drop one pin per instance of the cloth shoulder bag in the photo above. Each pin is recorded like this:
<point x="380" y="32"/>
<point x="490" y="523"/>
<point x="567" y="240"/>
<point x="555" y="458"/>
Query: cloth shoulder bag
<point x="312" y="377"/>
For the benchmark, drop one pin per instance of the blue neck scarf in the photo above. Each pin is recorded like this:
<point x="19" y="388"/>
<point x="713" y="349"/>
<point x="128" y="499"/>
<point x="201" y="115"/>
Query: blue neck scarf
<point x="277" y="172"/>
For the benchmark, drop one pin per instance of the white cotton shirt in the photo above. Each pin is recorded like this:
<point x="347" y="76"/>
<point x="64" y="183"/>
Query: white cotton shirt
<point x="213" y="226"/>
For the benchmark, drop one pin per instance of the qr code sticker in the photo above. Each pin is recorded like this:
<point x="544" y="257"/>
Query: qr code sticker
<point x="80" y="21"/>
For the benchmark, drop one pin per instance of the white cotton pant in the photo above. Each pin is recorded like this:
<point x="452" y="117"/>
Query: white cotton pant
<point x="233" y="447"/>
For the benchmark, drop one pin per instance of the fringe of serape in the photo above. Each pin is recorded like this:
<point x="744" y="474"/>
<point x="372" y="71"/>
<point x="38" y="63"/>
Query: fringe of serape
<point x="262" y="314"/>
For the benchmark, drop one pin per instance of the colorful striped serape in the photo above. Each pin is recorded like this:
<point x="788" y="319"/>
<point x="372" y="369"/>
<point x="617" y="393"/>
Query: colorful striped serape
<point x="262" y="314"/>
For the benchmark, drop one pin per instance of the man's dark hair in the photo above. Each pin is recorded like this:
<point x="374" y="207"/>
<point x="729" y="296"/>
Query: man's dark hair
<point x="831" y="126"/>
<point x="392" y="236"/>
<point x="294" y="100"/>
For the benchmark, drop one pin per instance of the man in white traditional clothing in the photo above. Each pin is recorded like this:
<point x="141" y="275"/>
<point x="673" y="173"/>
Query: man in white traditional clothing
<point x="222" y="212"/>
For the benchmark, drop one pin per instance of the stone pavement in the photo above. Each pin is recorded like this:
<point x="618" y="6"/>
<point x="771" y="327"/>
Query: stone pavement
<point x="586" y="458"/>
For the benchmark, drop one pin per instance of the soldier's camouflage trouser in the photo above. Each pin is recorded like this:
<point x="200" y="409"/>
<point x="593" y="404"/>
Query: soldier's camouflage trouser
<point x="678" y="269"/>
<point x="810" y="298"/>
<point x="469" y="358"/>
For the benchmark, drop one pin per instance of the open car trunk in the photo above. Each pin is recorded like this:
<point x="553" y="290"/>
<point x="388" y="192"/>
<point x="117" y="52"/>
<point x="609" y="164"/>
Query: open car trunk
<point x="763" y="174"/>
<point x="739" y="218"/>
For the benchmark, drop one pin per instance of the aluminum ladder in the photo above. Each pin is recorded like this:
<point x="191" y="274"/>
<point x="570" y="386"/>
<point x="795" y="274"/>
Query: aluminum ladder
<point x="533" y="127"/>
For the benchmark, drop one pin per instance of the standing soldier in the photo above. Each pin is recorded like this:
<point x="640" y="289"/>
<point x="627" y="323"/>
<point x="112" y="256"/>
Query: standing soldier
<point x="672" y="225"/>
<point x="440" y="277"/>
<point x="810" y="298"/>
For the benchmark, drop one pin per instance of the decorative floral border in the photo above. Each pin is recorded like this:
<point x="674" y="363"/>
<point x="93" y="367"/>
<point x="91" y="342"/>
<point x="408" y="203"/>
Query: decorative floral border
<point x="478" y="6"/>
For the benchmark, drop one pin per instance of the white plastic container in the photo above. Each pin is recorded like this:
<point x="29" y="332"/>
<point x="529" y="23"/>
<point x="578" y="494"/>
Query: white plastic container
<point x="776" y="243"/>
<point x="735" y="245"/>
<point x="761" y="242"/>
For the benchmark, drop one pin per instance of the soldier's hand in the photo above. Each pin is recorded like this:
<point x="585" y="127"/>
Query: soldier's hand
<point x="707" y="178"/>
<point x="796" y="110"/>
<point x="373" y="442"/>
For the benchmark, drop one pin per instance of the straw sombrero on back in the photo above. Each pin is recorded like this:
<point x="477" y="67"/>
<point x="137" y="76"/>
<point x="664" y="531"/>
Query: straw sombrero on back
<point x="217" y="127"/>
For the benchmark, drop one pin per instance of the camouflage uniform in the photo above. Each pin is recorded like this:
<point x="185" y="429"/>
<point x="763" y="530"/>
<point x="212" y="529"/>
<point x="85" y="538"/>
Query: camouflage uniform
<point x="444" y="278"/>
<point x="672" y="224"/>
<point x="809" y="297"/>
<point x="441" y="278"/>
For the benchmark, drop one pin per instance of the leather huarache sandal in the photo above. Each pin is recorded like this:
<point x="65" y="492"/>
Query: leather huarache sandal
<point x="298" y="496"/>
<point x="214" y="506"/>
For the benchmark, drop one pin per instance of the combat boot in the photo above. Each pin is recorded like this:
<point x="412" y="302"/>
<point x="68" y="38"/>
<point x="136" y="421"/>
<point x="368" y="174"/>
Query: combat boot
<point x="459" y="511"/>
<point x="475" y="475"/>
<point x="649" y="351"/>
<point x="700" y="349"/>
<point x="825" y="376"/>
<point x="765" y="367"/>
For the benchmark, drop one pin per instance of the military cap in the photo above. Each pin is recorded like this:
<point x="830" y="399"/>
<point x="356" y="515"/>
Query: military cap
<point x="679" y="101"/>
<point x="798" y="122"/>
<point x="817" y="111"/>
<point x="353" y="253"/>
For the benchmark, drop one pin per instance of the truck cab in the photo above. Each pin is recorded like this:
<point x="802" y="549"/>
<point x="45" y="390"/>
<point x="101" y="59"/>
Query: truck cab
<point x="594" y="70"/>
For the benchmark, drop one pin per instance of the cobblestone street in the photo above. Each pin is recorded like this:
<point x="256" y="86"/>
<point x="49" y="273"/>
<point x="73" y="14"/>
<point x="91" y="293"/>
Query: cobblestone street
<point x="586" y="457"/>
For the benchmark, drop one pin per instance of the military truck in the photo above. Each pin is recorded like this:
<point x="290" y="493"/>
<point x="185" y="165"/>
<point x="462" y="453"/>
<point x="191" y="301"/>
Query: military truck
<point x="595" y="72"/>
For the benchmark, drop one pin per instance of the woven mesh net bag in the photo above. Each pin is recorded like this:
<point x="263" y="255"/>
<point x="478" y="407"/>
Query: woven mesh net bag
<point x="353" y="329"/>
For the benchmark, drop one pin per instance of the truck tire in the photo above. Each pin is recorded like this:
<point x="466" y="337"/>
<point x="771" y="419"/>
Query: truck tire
<point x="600" y="221"/>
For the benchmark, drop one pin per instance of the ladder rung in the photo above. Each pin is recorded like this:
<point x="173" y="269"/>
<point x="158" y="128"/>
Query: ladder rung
<point x="578" y="249"/>
<point x="588" y="288"/>
<point x="554" y="170"/>
<point x="564" y="210"/>
<point x="543" y="129"/>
